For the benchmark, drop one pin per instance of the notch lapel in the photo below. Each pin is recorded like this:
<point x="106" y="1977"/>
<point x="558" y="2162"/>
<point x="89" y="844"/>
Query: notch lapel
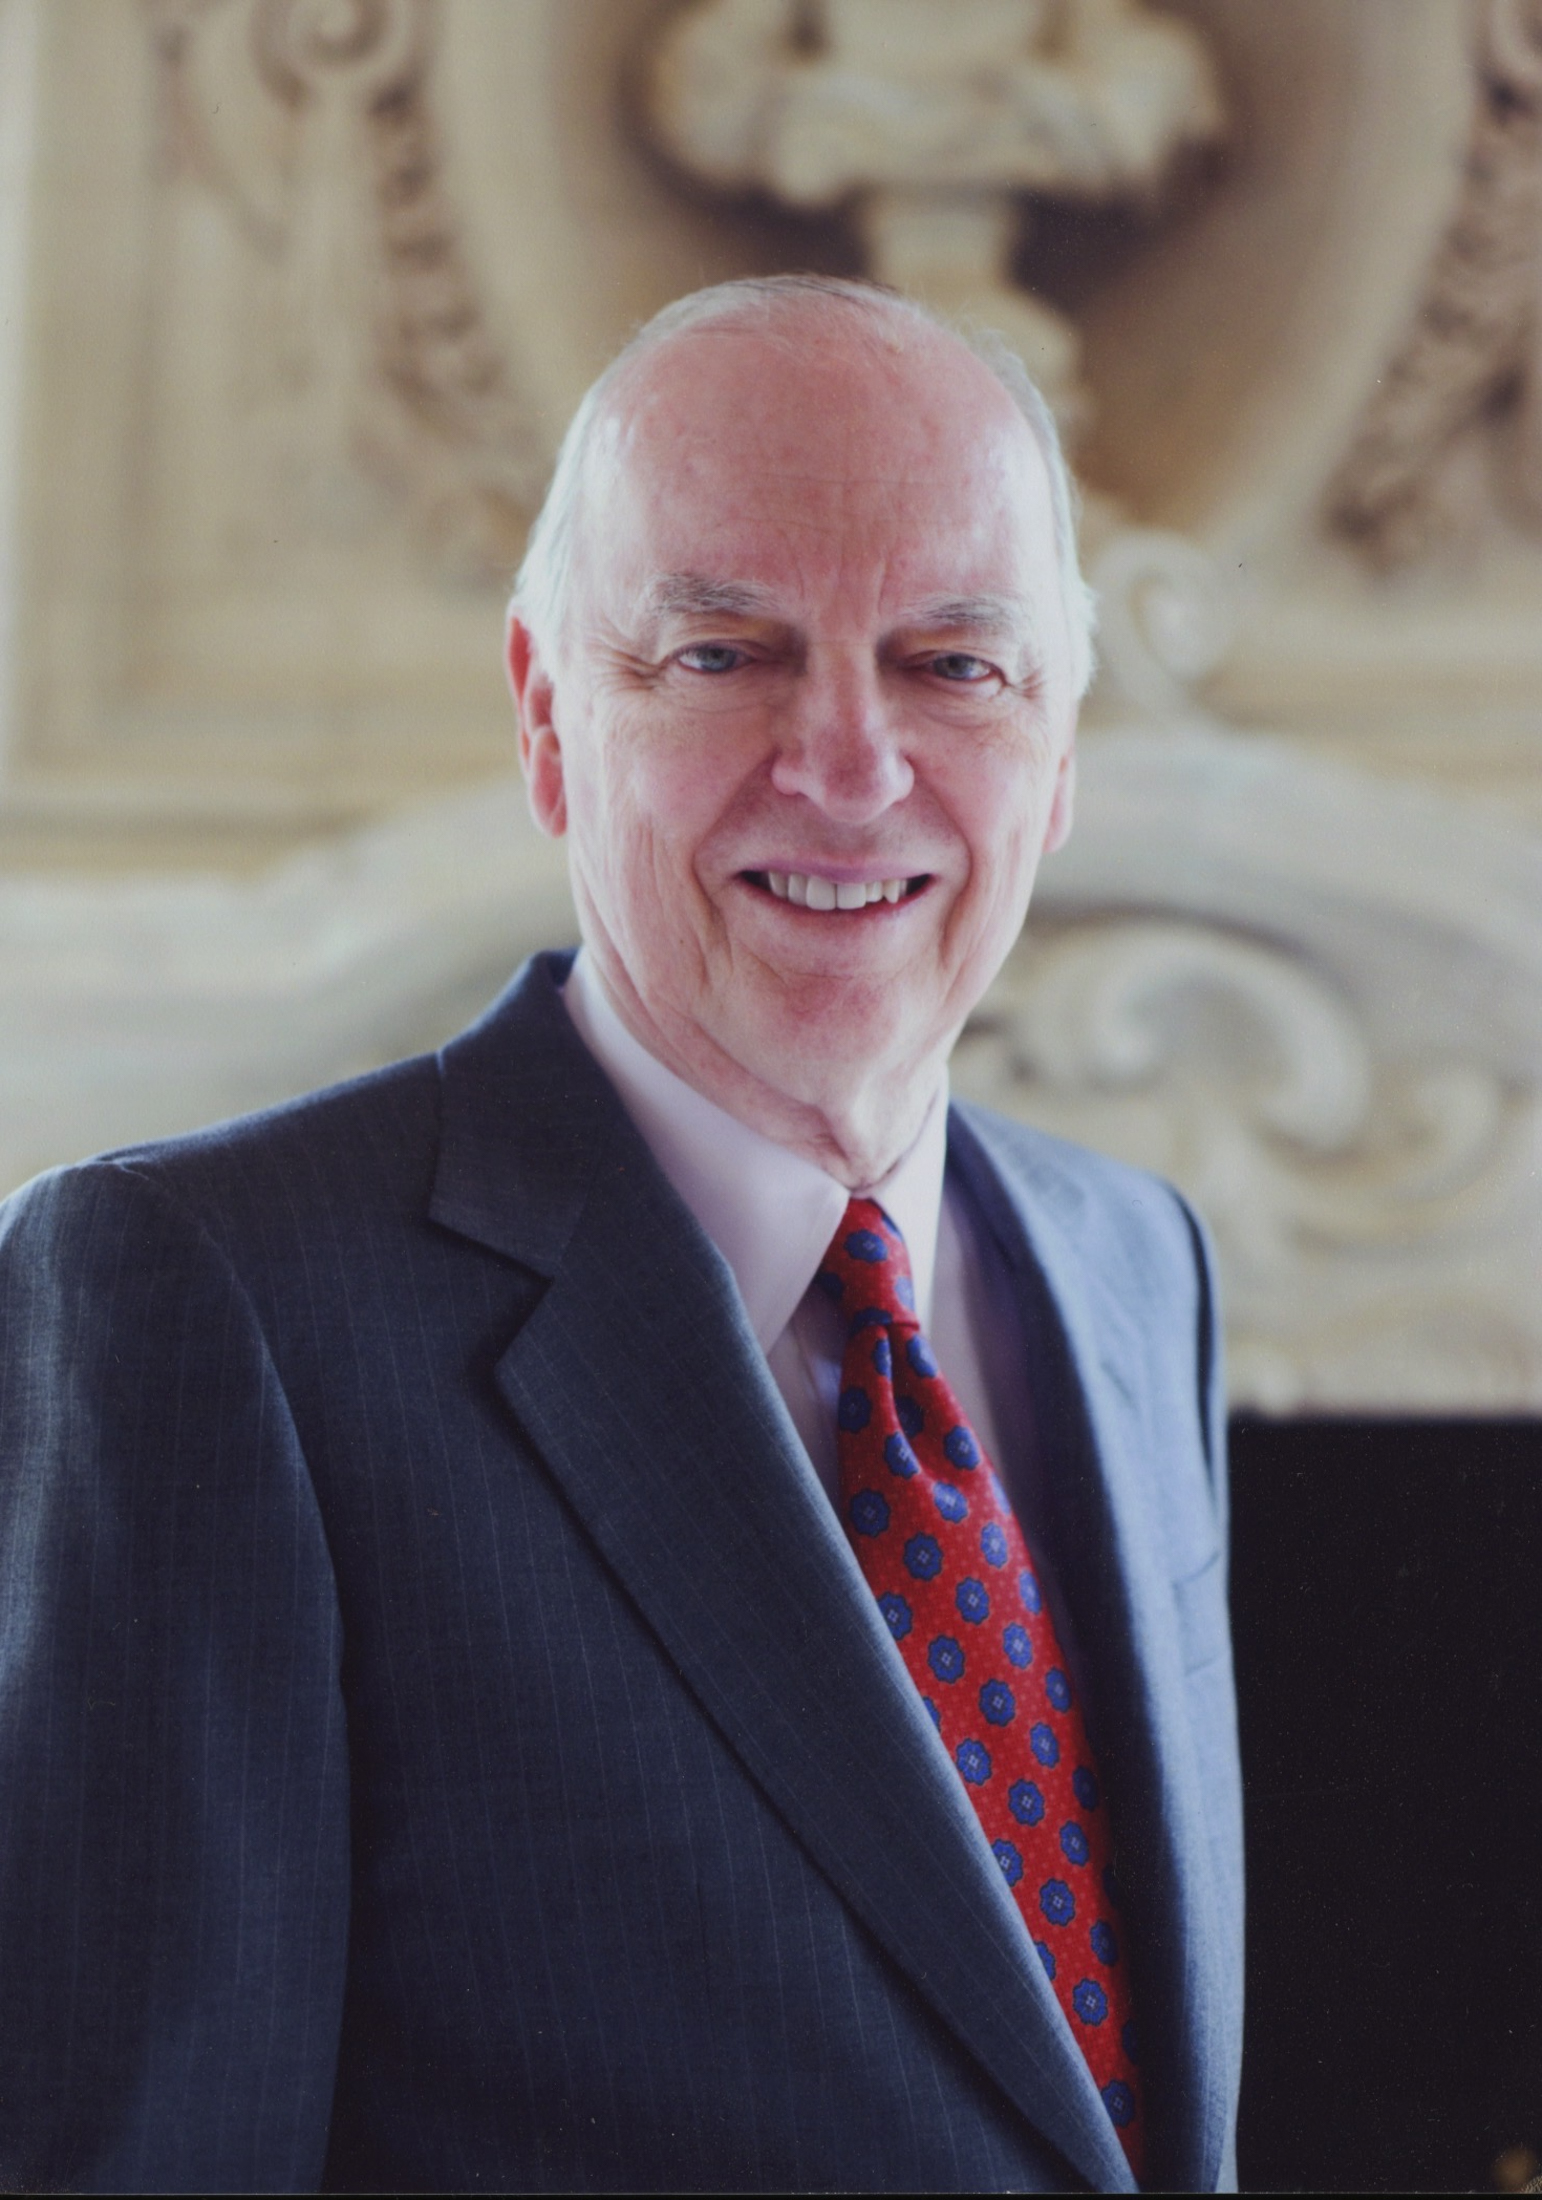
<point x="673" y="1446"/>
<point x="1109" y="1554"/>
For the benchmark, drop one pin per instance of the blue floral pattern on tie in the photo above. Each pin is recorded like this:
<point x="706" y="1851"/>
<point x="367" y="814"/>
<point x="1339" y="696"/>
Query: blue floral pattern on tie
<point x="964" y="1607"/>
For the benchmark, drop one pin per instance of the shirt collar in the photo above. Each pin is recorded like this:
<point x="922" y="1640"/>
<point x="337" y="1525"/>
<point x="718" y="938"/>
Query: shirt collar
<point x="770" y="1213"/>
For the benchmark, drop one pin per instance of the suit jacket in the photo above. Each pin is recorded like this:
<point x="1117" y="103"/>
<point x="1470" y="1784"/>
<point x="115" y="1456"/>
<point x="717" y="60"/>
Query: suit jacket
<point x="446" y="1741"/>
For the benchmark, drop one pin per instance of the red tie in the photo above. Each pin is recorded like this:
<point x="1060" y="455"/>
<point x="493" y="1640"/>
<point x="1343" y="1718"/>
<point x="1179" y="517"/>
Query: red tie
<point x="943" y="1554"/>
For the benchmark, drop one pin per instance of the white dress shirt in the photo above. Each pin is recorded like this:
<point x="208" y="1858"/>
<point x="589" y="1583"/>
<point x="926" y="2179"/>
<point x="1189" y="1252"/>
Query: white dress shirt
<point x="772" y="1214"/>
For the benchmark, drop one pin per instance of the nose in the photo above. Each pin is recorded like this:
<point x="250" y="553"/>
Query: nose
<point x="840" y="746"/>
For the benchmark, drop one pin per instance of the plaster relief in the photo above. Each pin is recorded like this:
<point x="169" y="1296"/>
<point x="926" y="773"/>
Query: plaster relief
<point x="934" y="126"/>
<point x="371" y="365"/>
<point x="1455" y="422"/>
<point x="1347" y="1191"/>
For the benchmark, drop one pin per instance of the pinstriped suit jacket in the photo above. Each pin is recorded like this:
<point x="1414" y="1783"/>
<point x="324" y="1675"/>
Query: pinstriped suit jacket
<point x="445" y="1740"/>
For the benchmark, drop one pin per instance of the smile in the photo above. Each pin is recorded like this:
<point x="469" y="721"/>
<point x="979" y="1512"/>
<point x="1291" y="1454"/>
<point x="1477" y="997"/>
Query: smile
<point x="807" y="891"/>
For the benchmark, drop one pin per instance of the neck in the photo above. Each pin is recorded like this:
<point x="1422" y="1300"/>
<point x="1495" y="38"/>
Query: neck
<point x="857" y="1130"/>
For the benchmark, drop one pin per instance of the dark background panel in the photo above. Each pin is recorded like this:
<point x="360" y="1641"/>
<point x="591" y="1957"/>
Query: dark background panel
<point x="1387" y="1604"/>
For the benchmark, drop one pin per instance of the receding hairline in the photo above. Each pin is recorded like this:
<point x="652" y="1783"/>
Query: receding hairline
<point x="862" y="317"/>
<point x="884" y="326"/>
<point x="862" y="340"/>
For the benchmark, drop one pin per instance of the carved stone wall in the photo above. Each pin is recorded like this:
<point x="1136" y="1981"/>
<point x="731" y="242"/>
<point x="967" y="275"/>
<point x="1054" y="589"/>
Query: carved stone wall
<point x="314" y="285"/>
<point x="1312" y="1000"/>
<point x="1469" y="368"/>
<point x="295" y="298"/>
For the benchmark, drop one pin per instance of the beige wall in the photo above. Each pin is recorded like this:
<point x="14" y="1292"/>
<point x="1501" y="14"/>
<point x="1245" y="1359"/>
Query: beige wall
<point x="282" y="364"/>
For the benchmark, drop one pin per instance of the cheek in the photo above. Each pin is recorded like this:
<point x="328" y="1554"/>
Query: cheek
<point x="649" y="790"/>
<point x="1000" y="799"/>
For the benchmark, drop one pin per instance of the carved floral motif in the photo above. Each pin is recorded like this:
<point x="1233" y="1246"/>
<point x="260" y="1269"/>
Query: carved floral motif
<point x="1473" y="352"/>
<point x="382" y="353"/>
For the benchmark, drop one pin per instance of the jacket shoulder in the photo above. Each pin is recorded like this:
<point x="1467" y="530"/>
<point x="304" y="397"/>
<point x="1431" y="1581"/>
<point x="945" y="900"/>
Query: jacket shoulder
<point x="368" y="1143"/>
<point x="1090" y="1194"/>
<point x="1133" y="1239"/>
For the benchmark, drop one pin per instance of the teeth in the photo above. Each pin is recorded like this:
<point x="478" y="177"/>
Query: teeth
<point x="822" y="893"/>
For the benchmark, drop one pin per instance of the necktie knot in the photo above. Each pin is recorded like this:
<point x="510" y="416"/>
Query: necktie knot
<point x="866" y="1270"/>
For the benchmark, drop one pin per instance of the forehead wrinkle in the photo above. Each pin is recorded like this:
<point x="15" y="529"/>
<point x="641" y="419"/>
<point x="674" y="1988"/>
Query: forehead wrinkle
<point x="793" y="517"/>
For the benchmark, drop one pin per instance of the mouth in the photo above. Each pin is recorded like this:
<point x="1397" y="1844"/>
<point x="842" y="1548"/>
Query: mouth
<point x="825" y="896"/>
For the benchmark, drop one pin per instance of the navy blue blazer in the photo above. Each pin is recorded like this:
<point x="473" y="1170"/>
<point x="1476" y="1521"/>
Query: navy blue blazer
<point x="446" y="1742"/>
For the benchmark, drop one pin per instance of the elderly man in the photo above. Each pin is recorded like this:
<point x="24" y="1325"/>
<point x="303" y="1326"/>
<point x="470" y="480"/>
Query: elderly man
<point x="640" y="1604"/>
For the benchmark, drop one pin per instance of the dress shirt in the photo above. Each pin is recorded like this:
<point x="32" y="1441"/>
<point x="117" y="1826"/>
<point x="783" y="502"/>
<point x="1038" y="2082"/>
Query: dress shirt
<point x="771" y="1214"/>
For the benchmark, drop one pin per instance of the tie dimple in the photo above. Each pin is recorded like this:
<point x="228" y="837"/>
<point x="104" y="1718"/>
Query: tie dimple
<point x="942" y="1551"/>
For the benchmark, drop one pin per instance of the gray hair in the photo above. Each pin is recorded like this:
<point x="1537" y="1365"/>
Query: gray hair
<point x="540" y="591"/>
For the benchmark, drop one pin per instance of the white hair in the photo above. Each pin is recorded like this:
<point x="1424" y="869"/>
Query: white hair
<point x="540" y="590"/>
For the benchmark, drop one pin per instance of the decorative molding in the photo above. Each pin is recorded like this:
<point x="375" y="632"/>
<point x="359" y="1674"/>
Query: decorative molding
<point x="138" y="1007"/>
<point x="262" y="371"/>
<point x="1308" y="998"/>
<point x="937" y="126"/>
<point x="1472" y="356"/>
<point x="1166" y="615"/>
<point x="353" y="212"/>
<point x="1347" y="1193"/>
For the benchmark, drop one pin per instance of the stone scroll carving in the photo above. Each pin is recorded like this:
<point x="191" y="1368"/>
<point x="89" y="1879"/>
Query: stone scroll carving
<point x="1167" y="615"/>
<point x="1348" y="1191"/>
<point x="1310" y="998"/>
<point x="1307" y="998"/>
<point x="312" y="123"/>
<point x="934" y="122"/>
<point x="1470" y="363"/>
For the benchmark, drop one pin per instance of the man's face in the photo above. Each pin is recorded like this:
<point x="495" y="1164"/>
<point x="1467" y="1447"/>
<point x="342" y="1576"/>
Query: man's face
<point x="809" y="728"/>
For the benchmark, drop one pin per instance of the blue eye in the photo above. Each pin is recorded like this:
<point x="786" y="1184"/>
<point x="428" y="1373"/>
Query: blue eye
<point x="711" y="657"/>
<point x="957" y="665"/>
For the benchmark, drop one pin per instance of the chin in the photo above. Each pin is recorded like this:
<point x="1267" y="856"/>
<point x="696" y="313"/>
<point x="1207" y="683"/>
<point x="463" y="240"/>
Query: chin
<point x="803" y="1031"/>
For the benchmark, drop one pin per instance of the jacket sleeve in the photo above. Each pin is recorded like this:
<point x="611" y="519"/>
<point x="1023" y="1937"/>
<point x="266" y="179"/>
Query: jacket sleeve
<point x="173" y="1766"/>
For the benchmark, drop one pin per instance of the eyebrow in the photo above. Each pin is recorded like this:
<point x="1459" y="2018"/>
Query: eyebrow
<point x="688" y="593"/>
<point x="1009" y="614"/>
<point x="693" y="592"/>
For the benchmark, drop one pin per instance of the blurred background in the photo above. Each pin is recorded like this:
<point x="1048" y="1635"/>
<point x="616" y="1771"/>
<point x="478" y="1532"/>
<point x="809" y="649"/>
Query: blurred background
<point x="296" y="297"/>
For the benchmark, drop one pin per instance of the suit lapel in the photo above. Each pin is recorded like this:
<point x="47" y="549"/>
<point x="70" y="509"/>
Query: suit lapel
<point x="638" y="1380"/>
<point x="1109" y="1555"/>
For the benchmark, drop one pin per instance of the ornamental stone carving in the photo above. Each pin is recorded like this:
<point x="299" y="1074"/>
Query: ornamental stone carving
<point x="1310" y="997"/>
<point x="1306" y="997"/>
<point x="1166" y="615"/>
<point x="312" y="123"/>
<point x="1342" y="1187"/>
<point x="934" y="123"/>
<point x="320" y="267"/>
<point x="1469" y="368"/>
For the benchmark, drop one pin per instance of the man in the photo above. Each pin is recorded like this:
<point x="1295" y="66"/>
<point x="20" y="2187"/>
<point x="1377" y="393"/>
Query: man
<point x="639" y="1604"/>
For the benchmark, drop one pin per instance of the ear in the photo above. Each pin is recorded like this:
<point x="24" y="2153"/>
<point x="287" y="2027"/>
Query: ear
<point x="1058" y="831"/>
<point x="540" y="751"/>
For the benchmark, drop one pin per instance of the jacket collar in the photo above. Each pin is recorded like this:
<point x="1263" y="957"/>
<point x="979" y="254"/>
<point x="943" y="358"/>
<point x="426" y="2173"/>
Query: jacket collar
<point x="721" y="1536"/>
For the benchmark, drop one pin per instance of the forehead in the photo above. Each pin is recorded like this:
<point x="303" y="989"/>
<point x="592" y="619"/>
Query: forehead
<point x="807" y="460"/>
